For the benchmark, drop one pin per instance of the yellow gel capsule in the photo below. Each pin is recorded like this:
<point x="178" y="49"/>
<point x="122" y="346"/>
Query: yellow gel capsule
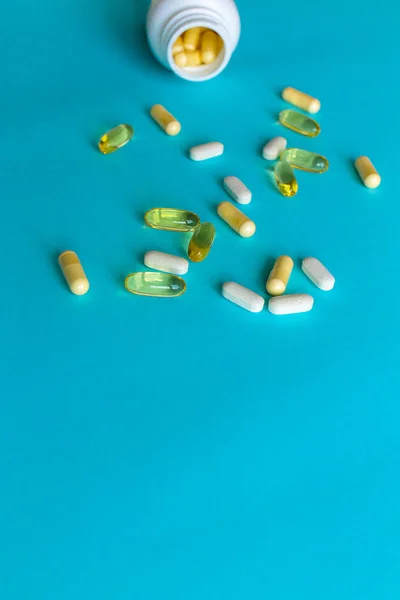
<point x="178" y="46"/>
<point x="191" y="38"/>
<point x="181" y="60"/>
<point x="305" y="160"/>
<point x="165" y="120"/>
<point x="279" y="276"/>
<point x="209" y="47"/>
<point x="298" y="122"/>
<point x="193" y="58"/>
<point x="115" y="138"/>
<point x="171" y="219"/>
<point x="367" y="172"/>
<point x="201" y="242"/>
<point x="159" y="285"/>
<point x="73" y="272"/>
<point x="236" y="219"/>
<point x="301" y="100"/>
<point x="285" y="179"/>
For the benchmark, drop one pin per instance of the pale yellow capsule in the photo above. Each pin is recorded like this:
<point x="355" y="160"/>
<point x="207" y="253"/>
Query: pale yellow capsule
<point x="236" y="219"/>
<point x="193" y="58"/>
<point x="209" y="47"/>
<point x="73" y="272"/>
<point x="178" y="46"/>
<point x="301" y="100"/>
<point x="279" y="276"/>
<point x="165" y="120"/>
<point x="191" y="38"/>
<point x="181" y="60"/>
<point x="367" y="172"/>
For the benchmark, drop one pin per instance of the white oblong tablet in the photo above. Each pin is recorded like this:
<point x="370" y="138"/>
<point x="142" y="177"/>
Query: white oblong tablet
<point x="237" y="190"/>
<point x="168" y="263"/>
<point x="242" y="296"/>
<point x="319" y="275"/>
<point x="272" y="150"/>
<point x="206" y="151"/>
<point x="290" y="304"/>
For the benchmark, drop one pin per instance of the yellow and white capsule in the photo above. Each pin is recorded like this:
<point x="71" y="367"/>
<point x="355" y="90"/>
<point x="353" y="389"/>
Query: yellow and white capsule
<point x="301" y="100"/>
<point x="73" y="272"/>
<point x="236" y="219"/>
<point x="209" y="47"/>
<point x="279" y="276"/>
<point x="367" y="172"/>
<point x="165" y="120"/>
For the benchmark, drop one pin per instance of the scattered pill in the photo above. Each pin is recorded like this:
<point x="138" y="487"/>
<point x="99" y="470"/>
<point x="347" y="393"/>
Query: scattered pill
<point x="73" y="272"/>
<point x="237" y="190"/>
<point x="298" y="122"/>
<point x="285" y="179"/>
<point x="191" y="38"/>
<point x="178" y="46"/>
<point x="319" y="275"/>
<point x="367" y="172"/>
<point x="236" y="219"/>
<point x="290" y="304"/>
<point x="305" y="160"/>
<point x="279" y="276"/>
<point x="165" y="120"/>
<point x="161" y="285"/>
<point x="168" y="263"/>
<point x="242" y="296"/>
<point x="209" y="47"/>
<point x="201" y="242"/>
<point x="301" y="100"/>
<point x="180" y="60"/>
<point x="193" y="59"/>
<point x="274" y="147"/>
<point x="206" y="151"/>
<point x="171" y="219"/>
<point x="115" y="138"/>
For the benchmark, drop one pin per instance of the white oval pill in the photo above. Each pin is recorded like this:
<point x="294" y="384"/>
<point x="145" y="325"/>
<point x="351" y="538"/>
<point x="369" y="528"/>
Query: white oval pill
<point x="290" y="304"/>
<point x="315" y="270"/>
<point x="237" y="190"/>
<point x="242" y="296"/>
<point x="168" y="263"/>
<point x="205" y="151"/>
<point x="272" y="150"/>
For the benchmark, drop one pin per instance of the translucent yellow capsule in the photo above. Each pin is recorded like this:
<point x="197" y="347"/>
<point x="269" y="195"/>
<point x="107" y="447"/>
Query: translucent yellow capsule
<point x="171" y="219"/>
<point x="298" y="122"/>
<point x="201" y="242"/>
<point x="305" y="160"/>
<point x="73" y="272"/>
<point x="193" y="59"/>
<point x="236" y="219"/>
<point x="285" y="179"/>
<point x="301" y="100"/>
<point x="160" y="285"/>
<point x="209" y="47"/>
<point x="115" y="138"/>
<point x="165" y="120"/>
<point x="181" y="60"/>
<point x="178" y="46"/>
<point x="191" y="38"/>
<point x="367" y="172"/>
<point x="279" y="276"/>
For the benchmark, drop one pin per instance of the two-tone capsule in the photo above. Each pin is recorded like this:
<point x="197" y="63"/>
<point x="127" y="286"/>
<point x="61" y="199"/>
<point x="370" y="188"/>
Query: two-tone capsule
<point x="159" y="285"/>
<point x="285" y="179"/>
<point x="367" y="172"/>
<point x="239" y="222"/>
<point x="115" y="138"/>
<point x="201" y="242"/>
<point x="305" y="160"/>
<point x="301" y="100"/>
<point x="73" y="272"/>
<point x="171" y="219"/>
<point x="279" y="276"/>
<point x="298" y="122"/>
<point x="165" y="120"/>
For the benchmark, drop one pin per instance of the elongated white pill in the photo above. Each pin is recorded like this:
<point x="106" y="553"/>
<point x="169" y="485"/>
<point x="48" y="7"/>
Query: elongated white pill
<point x="206" y="151"/>
<point x="272" y="150"/>
<point x="242" y="296"/>
<point x="290" y="304"/>
<point x="315" y="270"/>
<point x="168" y="263"/>
<point x="237" y="190"/>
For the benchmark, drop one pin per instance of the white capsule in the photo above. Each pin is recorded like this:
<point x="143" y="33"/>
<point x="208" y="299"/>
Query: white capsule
<point x="206" y="151"/>
<point x="315" y="270"/>
<point x="272" y="150"/>
<point x="237" y="190"/>
<point x="168" y="263"/>
<point x="238" y="294"/>
<point x="290" y="304"/>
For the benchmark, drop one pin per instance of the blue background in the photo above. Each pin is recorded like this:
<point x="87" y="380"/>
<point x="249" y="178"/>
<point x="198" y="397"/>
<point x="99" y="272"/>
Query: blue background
<point x="187" y="449"/>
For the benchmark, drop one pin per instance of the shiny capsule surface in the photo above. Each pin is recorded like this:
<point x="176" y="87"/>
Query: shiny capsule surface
<point x="298" y="122"/>
<point x="159" y="285"/>
<point x="285" y="179"/>
<point x="115" y="138"/>
<point x="305" y="160"/>
<point x="171" y="219"/>
<point x="201" y="242"/>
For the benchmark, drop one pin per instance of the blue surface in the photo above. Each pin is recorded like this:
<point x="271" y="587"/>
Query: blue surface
<point x="186" y="449"/>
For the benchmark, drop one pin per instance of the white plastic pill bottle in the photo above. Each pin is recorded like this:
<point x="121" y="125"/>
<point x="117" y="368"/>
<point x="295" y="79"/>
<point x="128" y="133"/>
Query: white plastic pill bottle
<point x="168" y="19"/>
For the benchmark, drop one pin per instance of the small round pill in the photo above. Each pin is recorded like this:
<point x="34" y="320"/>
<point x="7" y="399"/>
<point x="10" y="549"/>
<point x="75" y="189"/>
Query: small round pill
<point x="367" y="172"/>
<point x="73" y="272"/>
<point x="274" y="147"/>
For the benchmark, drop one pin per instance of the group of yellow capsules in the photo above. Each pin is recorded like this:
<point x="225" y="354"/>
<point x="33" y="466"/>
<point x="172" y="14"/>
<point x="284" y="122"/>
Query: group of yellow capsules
<point x="166" y="280"/>
<point x="196" y="46"/>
